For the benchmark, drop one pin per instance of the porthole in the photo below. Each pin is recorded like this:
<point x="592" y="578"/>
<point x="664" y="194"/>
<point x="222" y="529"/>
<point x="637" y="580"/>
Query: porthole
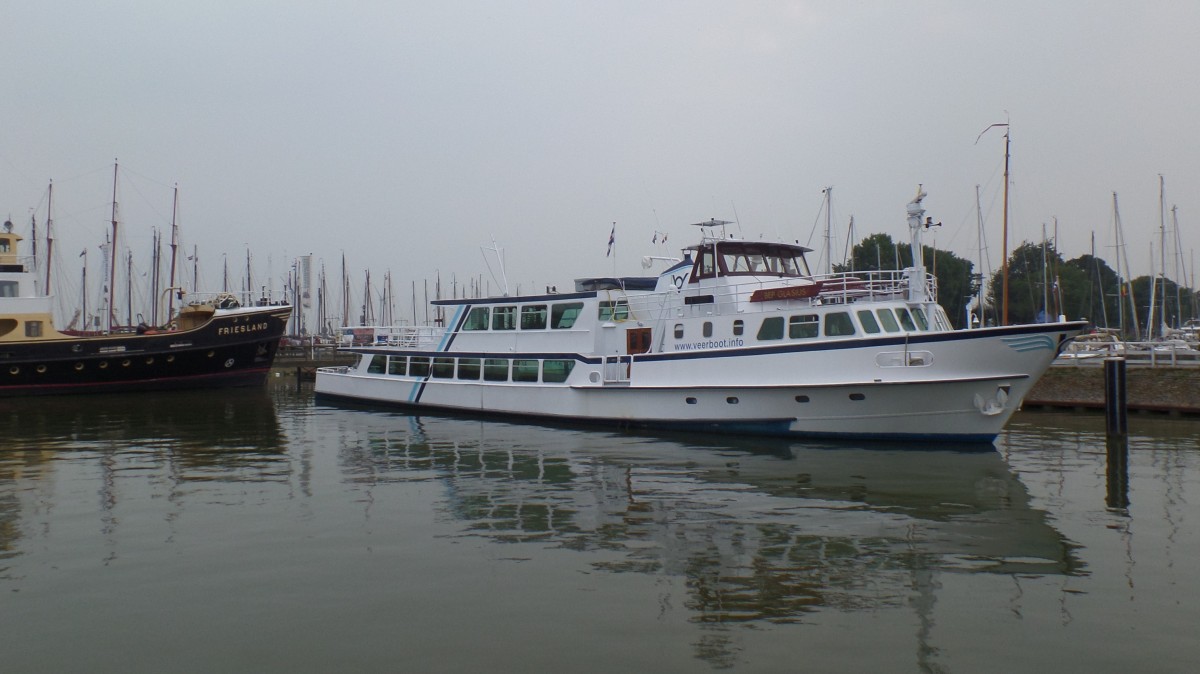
<point x="78" y="367"/>
<point x="125" y="363"/>
<point x="76" y="348"/>
<point x="732" y="400"/>
<point x="150" y="360"/>
<point x="857" y="396"/>
<point x="103" y="365"/>
<point x="691" y="401"/>
<point x="14" y="370"/>
<point x="41" y="369"/>
<point x="229" y="362"/>
<point x="210" y="354"/>
<point x="801" y="399"/>
<point x="171" y="358"/>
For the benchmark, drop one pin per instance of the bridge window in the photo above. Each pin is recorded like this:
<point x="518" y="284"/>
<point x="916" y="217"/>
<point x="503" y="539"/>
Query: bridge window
<point x="614" y="310"/>
<point x="563" y="316"/>
<point x="919" y="314"/>
<point x="906" y="320"/>
<point x="771" y="328"/>
<point x="868" y="321"/>
<point x="802" y="327"/>
<point x="533" y="317"/>
<point x="504" y="318"/>
<point x="888" y="319"/>
<point x="477" y="319"/>
<point x="838" y="324"/>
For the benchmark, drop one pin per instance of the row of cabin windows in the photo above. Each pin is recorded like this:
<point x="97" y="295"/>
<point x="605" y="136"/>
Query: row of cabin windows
<point x="553" y="371"/>
<point x="836" y="324"/>
<point x="530" y="317"/>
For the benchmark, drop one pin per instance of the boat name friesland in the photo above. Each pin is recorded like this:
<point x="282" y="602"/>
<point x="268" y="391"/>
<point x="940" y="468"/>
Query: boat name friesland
<point x="240" y="329"/>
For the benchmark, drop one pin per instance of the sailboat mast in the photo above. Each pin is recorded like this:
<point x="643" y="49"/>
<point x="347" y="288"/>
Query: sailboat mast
<point x="1123" y="257"/>
<point x="49" y="235"/>
<point x="1162" y="253"/>
<point x="112" y="279"/>
<point x="1004" y="275"/>
<point x="174" y="252"/>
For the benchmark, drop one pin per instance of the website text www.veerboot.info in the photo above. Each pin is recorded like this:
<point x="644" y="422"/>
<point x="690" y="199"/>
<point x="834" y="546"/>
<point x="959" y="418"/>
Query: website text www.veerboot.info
<point x="709" y="344"/>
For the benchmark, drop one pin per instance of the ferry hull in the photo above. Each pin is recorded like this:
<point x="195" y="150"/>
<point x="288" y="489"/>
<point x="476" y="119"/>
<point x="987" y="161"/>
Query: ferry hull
<point x="971" y="384"/>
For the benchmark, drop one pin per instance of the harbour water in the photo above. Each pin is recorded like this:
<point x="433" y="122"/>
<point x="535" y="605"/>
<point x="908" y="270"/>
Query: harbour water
<point x="258" y="531"/>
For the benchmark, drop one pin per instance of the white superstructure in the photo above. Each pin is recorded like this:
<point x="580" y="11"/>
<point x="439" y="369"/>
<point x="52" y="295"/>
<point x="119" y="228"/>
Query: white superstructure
<point x="739" y="336"/>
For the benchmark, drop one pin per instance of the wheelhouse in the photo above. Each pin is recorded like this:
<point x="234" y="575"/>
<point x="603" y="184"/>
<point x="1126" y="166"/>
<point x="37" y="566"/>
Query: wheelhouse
<point x="749" y="258"/>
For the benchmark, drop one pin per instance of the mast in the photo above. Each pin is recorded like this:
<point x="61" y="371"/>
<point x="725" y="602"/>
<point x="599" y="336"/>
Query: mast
<point x="1162" y="253"/>
<point x="1123" y="256"/>
<point x="1004" y="268"/>
<point x="828" y="230"/>
<point x="129" y="288"/>
<point x="49" y="235"/>
<point x="112" y="279"/>
<point x="916" y="273"/>
<point x="982" y="248"/>
<point x="174" y="253"/>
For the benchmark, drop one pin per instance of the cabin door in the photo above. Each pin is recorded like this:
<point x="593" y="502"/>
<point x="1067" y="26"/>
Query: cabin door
<point x="637" y="340"/>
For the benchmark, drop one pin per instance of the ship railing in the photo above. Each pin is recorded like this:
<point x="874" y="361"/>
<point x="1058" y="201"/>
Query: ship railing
<point x="402" y="336"/>
<point x="840" y="288"/>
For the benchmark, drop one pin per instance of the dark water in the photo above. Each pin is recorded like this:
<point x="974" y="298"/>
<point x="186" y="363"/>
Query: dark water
<point x="256" y="531"/>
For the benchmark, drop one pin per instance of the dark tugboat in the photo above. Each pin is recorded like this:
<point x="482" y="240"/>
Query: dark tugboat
<point x="210" y="343"/>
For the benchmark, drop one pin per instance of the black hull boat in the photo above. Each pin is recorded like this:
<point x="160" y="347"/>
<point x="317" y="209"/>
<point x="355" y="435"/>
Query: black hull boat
<point x="233" y="347"/>
<point x="208" y="343"/>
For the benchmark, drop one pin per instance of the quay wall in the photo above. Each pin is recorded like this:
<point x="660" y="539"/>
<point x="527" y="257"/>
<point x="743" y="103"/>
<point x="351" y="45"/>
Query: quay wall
<point x="1158" y="389"/>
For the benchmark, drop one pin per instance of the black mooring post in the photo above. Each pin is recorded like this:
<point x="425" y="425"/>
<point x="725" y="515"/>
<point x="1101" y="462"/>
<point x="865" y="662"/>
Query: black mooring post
<point x="1116" y="414"/>
<point x="1117" y="471"/>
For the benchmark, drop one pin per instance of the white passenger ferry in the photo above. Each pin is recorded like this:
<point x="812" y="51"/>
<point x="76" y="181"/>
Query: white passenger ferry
<point x="737" y="337"/>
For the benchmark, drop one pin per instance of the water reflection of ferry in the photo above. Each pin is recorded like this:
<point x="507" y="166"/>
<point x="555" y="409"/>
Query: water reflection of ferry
<point x="761" y="530"/>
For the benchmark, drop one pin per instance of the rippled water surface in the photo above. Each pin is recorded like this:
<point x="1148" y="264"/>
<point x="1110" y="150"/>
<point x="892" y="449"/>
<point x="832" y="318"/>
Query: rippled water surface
<point x="258" y="531"/>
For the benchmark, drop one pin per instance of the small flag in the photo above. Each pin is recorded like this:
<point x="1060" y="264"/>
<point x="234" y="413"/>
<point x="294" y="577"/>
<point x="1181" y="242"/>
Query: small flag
<point x="83" y="253"/>
<point x="612" y="238"/>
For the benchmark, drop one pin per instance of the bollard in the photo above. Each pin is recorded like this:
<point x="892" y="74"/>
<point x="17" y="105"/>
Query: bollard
<point x="1116" y="414"/>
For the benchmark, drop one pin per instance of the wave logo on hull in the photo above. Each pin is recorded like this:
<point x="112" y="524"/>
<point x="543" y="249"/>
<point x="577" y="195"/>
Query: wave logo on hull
<point x="1030" y="343"/>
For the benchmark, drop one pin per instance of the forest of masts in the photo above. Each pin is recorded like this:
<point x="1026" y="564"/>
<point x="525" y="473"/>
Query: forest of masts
<point x="117" y="289"/>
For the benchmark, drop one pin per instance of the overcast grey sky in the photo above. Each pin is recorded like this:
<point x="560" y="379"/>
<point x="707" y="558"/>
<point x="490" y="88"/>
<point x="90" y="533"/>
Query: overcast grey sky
<point x="409" y="134"/>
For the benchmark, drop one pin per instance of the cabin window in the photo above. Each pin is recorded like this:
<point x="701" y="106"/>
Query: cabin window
<point x="771" y="328"/>
<point x="614" y="310"/>
<point x="888" y="319"/>
<point x="556" y="371"/>
<point x="495" y="369"/>
<point x="919" y="314"/>
<point x="868" y="321"/>
<point x="443" y="368"/>
<point x="33" y="328"/>
<point x="802" y="327"/>
<point x="418" y="366"/>
<point x="739" y="327"/>
<point x="398" y="365"/>
<point x="378" y="365"/>
<point x="504" y="318"/>
<point x="4" y="245"/>
<point x="708" y="328"/>
<point x="525" y="370"/>
<point x="533" y="317"/>
<point x="905" y="320"/>
<point x="9" y="288"/>
<point x="477" y="319"/>
<point x="468" y="368"/>
<point x="563" y="316"/>
<point x="679" y="331"/>
<point x="708" y="264"/>
<point x="838" y="324"/>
